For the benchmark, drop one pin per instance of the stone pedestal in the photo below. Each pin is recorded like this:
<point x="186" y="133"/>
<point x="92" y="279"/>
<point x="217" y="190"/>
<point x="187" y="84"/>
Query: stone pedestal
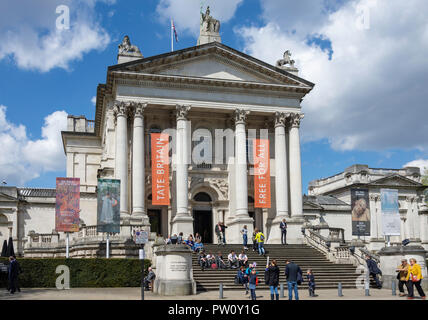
<point x="208" y="37"/>
<point x="294" y="230"/>
<point x="234" y="227"/>
<point x="390" y="259"/>
<point x="174" y="271"/>
<point x="376" y="244"/>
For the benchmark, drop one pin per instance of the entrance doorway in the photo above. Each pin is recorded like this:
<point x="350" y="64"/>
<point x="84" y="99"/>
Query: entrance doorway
<point x="203" y="217"/>
<point x="155" y="220"/>
<point x="203" y="225"/>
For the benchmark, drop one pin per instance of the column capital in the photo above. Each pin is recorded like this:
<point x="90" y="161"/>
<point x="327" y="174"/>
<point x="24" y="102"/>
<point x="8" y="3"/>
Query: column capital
<point x="241" y="116"/>
<point x="139" y="109"/>
<point x="182" y="111"/>
<point x="121" y="108"/>
<point x="295" y="119"/>
<point x="281" y="118"/>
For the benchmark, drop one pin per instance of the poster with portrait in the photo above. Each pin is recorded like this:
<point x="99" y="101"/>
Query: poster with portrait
<point x="108" y="209"/>
<point x="360" y="212"/>
<point x="390" y="214"/>
<point x="67" y="204"/>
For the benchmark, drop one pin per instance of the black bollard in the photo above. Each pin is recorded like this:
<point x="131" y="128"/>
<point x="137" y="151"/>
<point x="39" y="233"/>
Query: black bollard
<point x="221" y="291"/>
<point x="393" y="284"/>
<point x="281" y="290"/>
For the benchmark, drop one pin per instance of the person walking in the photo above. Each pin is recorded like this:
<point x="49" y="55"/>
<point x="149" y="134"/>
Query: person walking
<point x="244" y="233"/>
<point x="218" y="233"/>
<point x="293" y="274"/>
<point x="255" y="246"/>
<point x="148" y="280"/>
<point x="253" y="281"/>
<point x="260" y="238"/>
<point x="283" y="227"/>
<point x="311" y="282"/>
<point x="374" y="271"/>
<point x="402" y="270"/>
<point x="18" y="288"/>
<point x="272" y="279"/>
<point x="414" y="278"/>
<point x="12" y="274"/>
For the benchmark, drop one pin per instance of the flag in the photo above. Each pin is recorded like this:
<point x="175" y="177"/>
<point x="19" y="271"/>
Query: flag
<point x="175" y="31"/>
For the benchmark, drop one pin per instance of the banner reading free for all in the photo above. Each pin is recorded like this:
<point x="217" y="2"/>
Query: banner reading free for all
<point x="262" y="198"/>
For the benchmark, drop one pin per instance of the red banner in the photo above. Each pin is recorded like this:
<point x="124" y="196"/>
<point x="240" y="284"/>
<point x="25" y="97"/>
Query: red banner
<point x="160" y="168"/>
<point x="67" y="204"/>
<point x="261" y="173"/>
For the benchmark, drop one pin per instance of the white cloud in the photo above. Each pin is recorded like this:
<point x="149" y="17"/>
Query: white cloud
<point x="186" y="13"/>
<point x="29" y="36"/>
<point x="371" y="95"/>
<point x="420" y="163"/>
<point x="23" y="159"/>
<point x="94" y="100"/>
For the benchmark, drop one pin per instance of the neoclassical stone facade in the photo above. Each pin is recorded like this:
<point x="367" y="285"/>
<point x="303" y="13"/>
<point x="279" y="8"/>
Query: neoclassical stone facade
<point x="193" y="94"/>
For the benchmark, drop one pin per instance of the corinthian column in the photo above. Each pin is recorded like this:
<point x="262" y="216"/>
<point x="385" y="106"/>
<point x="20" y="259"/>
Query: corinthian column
<point x="182" y="222"/>
<point x="241" y="163"/>
<point x="138" y="165"/>
<point x="281" y="183"/>
<point x="121" y="170"/>
<point x="295" y="167"/>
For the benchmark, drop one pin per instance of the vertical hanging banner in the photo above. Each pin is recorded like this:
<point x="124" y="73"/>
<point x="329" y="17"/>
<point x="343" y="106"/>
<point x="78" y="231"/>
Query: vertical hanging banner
<point x="261" y="155"/>
<point x="360" y="212"/>
<point x="160" y="168"/>
<point x="390" y="213"/>
<point x="67" y="206"/>
<point x="108" y="208"/>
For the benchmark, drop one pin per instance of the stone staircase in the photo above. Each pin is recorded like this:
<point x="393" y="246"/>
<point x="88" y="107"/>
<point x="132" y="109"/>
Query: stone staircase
<point x="327" y="274"/>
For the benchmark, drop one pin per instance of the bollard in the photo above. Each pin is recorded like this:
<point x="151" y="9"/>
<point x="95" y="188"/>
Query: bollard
<point x="339" y="290"/>
<point x="281" y="290"/>
<point x="221" y="291"/>
<point x="393" y="284"/>
<point x="367" y="286"/>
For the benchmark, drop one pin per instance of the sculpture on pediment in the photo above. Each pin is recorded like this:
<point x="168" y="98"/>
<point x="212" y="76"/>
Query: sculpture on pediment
<point x="127" y="48"/>
<point x="209" y="29"/>
<point x="286" y="60"/>
<point x="208" y="23"/>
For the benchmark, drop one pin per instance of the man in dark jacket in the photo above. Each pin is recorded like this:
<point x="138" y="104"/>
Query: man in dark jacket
<point x="374" y="271"/>
<point x="293" y="274"/>
<point x="272" y="279"/>
<point x="283" y="227"/>
<point x="13" y="274"/>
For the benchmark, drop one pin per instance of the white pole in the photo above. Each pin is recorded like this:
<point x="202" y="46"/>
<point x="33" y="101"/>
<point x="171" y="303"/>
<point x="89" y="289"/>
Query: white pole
<point x="67" y="242"/>
<point x="108" y="246"/>
<point x="172" y="38"/>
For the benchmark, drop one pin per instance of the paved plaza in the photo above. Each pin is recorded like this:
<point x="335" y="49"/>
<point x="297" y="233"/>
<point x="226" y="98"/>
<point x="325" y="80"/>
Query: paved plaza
<point x="134" y="294"/>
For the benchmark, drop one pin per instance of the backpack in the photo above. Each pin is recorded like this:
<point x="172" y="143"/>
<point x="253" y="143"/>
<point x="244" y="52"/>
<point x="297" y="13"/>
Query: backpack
<point x="262" y="238"/>
<point x="214" y="266"/>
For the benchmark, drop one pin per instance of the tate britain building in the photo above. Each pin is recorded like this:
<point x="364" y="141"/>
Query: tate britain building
<point x="213" y="102"/>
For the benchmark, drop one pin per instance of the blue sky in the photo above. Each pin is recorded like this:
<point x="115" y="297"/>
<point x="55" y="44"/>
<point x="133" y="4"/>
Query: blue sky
<point x="367" y="108"/>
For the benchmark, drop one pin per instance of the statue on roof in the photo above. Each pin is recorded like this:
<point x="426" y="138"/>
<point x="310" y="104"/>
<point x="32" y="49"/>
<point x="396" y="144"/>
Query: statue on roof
<point x="127" y="48"/>
<point x="208" y="23"/>
<point x="286" y="60"/>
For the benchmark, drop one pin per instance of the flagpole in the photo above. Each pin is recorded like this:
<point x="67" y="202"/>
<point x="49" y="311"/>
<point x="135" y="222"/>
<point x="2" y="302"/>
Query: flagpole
<point x="172" y="38"/>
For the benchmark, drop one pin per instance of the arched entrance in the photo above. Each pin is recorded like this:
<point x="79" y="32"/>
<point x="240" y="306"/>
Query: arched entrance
<point x="203" y="216"/>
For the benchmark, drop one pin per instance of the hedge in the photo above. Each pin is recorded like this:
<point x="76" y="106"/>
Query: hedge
<point x="84" y="273"/>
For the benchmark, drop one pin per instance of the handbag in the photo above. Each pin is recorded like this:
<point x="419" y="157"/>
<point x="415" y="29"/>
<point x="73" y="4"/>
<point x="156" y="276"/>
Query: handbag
<point x="214" y="266"/>
<point x="413" y="278"/>
<point x="398" y="276"/>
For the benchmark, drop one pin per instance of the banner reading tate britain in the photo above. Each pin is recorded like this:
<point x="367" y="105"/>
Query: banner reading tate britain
<point x="261" y="173"/>
<point x="390" y="213"/>
<point x="67" y="204"/>
<point x="160" y="168"/>
<point x="360" y="207"/>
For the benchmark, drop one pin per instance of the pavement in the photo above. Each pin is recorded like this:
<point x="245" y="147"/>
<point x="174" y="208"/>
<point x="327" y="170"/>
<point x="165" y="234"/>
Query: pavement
<point x="135" y="294"/>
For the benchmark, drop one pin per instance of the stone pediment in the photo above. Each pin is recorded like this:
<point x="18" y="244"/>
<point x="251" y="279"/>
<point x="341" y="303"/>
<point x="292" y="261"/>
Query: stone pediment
<point x="395" y="180"/>
<point x="6" y="197"/>
<point x="213" y="61"/>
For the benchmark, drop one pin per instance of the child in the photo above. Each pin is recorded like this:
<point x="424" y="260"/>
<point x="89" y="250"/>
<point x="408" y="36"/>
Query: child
<point x="311" y="282"/>
<point x="253" y="281"/>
